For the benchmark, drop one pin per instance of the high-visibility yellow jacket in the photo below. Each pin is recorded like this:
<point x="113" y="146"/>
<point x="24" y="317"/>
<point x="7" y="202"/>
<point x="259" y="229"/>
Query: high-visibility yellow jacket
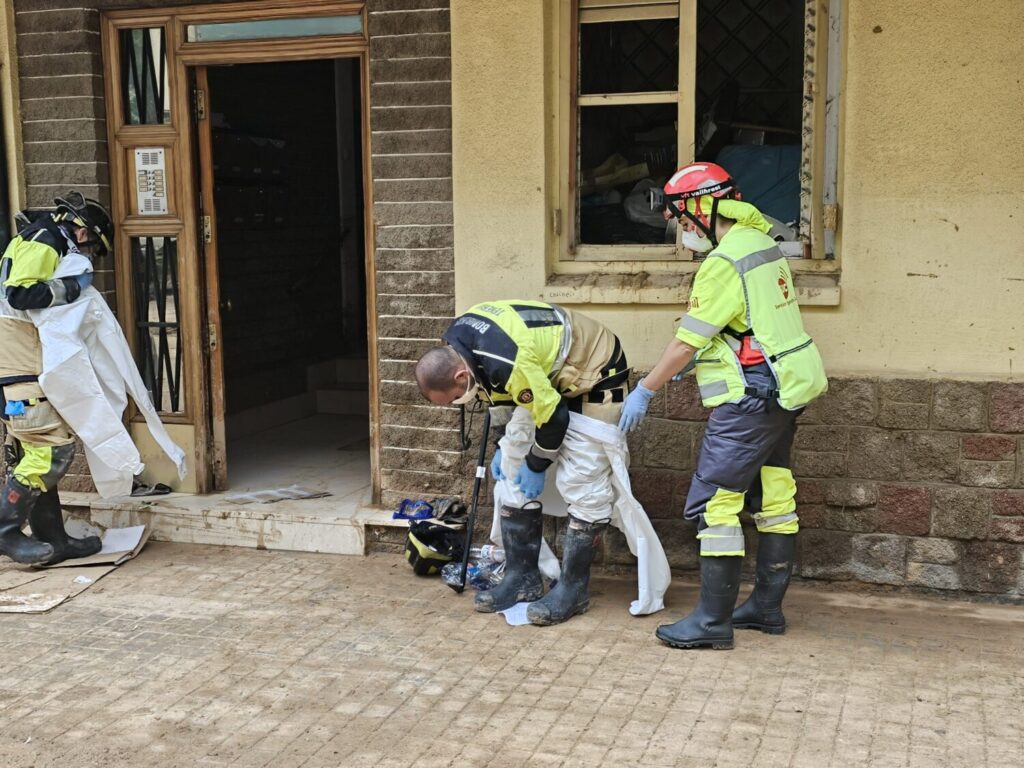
<point x="745" y="286"/>
<point x="537" y="356"/>
<point x="26" y="274"/>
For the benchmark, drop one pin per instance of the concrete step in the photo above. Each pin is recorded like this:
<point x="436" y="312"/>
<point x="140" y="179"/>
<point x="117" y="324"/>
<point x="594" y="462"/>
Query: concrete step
<point x="349" y="399"/>
<point x="310" y="525"/>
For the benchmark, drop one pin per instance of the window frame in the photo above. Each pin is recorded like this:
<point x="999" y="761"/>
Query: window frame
<point x="684" y="97"/>
<point x="819" y="168"/>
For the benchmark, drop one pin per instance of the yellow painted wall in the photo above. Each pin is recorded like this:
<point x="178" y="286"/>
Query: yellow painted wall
<point x="159" y="468"/>
<point x="932" y="191"/>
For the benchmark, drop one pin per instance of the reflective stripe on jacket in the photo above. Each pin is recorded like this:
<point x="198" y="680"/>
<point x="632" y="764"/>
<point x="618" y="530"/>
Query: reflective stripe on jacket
<point x="533" y="354"/>
<point x="771" y="312"/>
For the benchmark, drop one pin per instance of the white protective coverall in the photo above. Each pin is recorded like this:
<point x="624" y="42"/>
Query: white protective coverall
<point x="592" y="478"/>
<point x="88" y="374"/>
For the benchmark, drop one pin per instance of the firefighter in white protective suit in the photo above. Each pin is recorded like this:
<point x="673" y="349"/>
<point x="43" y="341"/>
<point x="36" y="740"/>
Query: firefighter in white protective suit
<point x="567" y="376"/>
<point x="65" y="370"/>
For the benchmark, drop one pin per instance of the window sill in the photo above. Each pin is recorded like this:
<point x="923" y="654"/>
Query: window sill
<point x="812" y="290"/>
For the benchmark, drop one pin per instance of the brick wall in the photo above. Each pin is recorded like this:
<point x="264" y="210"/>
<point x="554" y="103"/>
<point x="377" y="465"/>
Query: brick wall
<point x="900" y="482"/>
<point x="410" y="70"/>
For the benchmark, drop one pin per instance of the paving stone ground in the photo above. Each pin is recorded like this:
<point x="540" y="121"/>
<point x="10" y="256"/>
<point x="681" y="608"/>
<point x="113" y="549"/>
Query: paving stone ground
<point x="207" y="656"/>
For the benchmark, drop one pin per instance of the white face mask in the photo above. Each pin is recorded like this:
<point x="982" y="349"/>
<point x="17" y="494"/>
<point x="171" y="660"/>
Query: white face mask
<point x="696" y="242"/>
<point x="470" y="394"/>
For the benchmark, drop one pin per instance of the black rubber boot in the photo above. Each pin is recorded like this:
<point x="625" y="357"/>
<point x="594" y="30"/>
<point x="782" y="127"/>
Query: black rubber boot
<point x="710" y="624"/>
<point x="571" y="595"/>
<point x="15" y="506"/>
<point x="521" y="530"/>
<point x="47" y="521"/>
<point x="763" y="609"/>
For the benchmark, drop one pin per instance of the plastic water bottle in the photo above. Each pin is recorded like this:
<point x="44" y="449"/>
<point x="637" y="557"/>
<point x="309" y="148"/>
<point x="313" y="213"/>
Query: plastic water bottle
<point x="484" y="575"/>
<point x="491" y="553"/>
<point x="451" y="572"/>
<point x="480" y="575"/>
<point x="485" y="569"/>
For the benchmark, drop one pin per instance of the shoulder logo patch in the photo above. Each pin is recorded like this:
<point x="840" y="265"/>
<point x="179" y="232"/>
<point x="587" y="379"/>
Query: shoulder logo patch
<point x="525" y="397"/>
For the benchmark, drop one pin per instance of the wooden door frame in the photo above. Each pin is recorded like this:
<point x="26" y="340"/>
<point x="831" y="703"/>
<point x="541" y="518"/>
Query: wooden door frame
<point x="203" y="175"/>
<point x="178" y="140"/>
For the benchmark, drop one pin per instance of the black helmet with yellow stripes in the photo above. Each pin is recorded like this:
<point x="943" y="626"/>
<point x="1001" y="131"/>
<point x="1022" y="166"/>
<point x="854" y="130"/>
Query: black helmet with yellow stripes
<point x="76" y="208"/>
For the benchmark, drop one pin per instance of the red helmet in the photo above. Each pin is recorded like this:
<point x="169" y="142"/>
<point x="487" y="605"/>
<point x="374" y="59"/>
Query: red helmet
<point x="695" y="181"/>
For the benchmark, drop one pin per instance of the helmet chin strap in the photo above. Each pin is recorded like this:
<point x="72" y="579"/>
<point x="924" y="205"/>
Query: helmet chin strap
<point x="709" y="228"/>
<point x="713" y="222"/>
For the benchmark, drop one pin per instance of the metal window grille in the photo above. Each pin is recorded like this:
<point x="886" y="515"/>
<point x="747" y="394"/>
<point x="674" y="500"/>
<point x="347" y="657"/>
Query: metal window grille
<point x="158" y="343"/>
<point x="629" y="56"/>
<point x="144" y="76"/>
<point x="756" y="47"/>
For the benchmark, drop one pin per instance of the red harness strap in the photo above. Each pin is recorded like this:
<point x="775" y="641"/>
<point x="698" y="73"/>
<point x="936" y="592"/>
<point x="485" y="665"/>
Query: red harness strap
<point x="748" y="354"/>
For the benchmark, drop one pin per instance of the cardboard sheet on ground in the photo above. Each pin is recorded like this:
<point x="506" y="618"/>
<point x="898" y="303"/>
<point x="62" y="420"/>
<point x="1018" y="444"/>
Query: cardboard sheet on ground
<point x="50" y="589"/>
<point x="24" y="589"/>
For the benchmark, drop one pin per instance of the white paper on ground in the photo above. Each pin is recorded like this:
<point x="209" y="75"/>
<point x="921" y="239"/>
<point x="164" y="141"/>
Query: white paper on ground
<point x="516" y="615"/>
<point x="269" y="496"/>
<point x="122" y="539"/>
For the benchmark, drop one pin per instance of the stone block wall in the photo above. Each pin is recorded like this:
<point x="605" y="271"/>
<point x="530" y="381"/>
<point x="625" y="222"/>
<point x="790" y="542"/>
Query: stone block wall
<point x="410" y="97"/>
<point x="900" y="482"/>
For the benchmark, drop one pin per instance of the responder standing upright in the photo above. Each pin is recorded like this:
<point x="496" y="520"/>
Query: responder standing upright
<point x="568" y="376"/>
<point x="757" y="368"/>
<point x="40" y="444"/>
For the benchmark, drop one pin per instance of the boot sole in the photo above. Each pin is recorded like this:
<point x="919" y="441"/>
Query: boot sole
<point x="716" y="645"/>
<point x="60" y="555"/>
<point x="767" y="629"/>
<point x="553" y="622"/>
<point x="530" y="598"/>
<point x="28" y="561"/>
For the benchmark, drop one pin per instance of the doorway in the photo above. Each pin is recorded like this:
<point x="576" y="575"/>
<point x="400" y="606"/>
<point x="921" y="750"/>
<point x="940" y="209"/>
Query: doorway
<point x="286" y="291"/>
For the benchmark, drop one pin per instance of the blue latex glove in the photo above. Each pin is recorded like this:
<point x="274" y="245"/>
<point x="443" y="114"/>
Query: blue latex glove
<point x="496" y="472"/>
<point x="84" y="280"/>
<point x="635" y="408"/>
<point x="530" y="483"/>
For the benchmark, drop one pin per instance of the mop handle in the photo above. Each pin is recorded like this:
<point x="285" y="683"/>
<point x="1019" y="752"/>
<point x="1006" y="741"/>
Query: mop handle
<point x="481" y="473"/>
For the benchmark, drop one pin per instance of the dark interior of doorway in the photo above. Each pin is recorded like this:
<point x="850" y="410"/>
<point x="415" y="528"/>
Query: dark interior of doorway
<point x="289" y="209"/>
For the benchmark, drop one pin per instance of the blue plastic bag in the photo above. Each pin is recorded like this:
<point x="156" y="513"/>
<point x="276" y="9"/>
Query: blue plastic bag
<point x="413" y="510"/>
